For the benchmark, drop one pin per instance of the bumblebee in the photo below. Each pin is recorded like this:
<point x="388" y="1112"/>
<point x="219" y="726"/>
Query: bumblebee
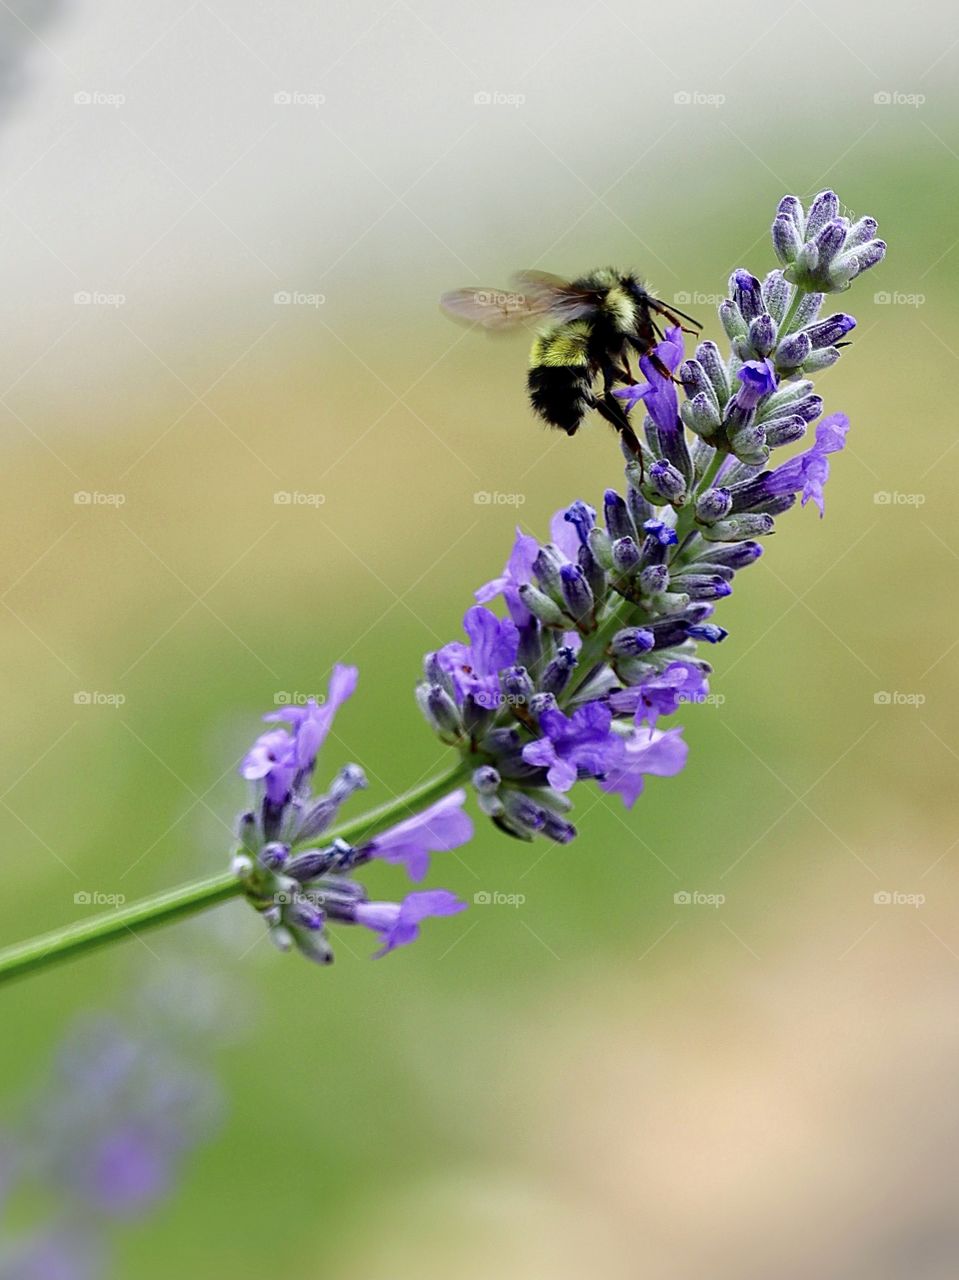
<point x="589" y="328"/>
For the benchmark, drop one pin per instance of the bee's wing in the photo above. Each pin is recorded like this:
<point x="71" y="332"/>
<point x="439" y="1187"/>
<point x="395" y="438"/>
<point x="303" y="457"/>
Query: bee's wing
<point x="494" y="309"/>
<point x="547" y="294"/>
<point x="535" y="295"/>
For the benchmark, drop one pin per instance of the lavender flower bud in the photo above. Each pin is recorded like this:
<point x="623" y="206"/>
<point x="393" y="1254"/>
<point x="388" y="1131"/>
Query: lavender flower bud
<point x="746" y="293"/>
<point x="701" y="414"/>
<point x="659" y="536"/>
<point x="783" y="431"/>
<point x="735" y="555"/>
<point x="748" y="443"/>
<point x="776" y="295"/>
<point x="762" y="335"/>
<point x="546" y="568"/>
<point x="824" y="208"/>
<point x="486" y="780"/>
<point x="713" y="505"/>
<point x="739" y="527"/>
<point x="583" y="517"/>
<point x="442" y="713"/>
<point x="792" y="352"/>
<point x="632" y="642"/>
<point x="601" y="547"/>
<point x="576" y="593"/>
<point x="702" y="586"/>
<point x="639" y="508"/>
<point x="619" y="522"/>
<point x="541" y="606"/>
<point x="625" y="556"/>
<point x="730" y="317"/>
<point x="654" y="580"/>
<point x="860" y="232"/>
<point x="273" y="855"/>
<point x="667" y="482"/>
<point x="822" y="359"/>
<point x="558" y="671"/>
<point x="787" y="239"/>
<point x="694" y="380"/>
<point x="516" y="685"/>
<point x="830" y="331"/>
<point x="714" y="366"/>
<point x="593" y="572"/>
<point x="708" y="632"/>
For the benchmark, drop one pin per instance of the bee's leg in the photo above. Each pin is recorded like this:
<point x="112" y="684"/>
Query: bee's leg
<point x="673" y="314"/>
<point x="612" y="410"/>
<point x="662" y="369"/>
<point x="609" y="408"/>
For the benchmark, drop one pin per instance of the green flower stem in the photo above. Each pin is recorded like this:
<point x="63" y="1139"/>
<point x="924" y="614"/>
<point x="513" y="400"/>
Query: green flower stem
<point x="189" y="899"/>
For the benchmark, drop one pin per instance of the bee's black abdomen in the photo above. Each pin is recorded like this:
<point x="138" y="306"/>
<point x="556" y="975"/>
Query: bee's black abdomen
<point x="560" y="394"/>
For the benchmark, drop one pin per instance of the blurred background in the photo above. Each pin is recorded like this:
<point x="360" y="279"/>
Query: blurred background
<point x="240" y="443"/>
